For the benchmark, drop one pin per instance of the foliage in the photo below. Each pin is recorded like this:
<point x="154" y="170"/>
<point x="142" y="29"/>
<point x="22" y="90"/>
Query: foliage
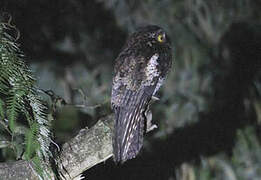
<point x="24" y="122"/>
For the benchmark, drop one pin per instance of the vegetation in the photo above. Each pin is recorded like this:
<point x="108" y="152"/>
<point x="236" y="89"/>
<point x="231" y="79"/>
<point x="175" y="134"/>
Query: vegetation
<point x="25" y="127"/>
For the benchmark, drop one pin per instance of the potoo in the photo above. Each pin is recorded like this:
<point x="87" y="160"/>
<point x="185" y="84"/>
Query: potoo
<point x="139" y="72"/>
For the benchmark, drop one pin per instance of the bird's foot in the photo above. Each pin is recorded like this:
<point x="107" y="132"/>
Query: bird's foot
<point x="155" y="98"/>
<point x="149" y="125"/>
<point x="152" y="127"/>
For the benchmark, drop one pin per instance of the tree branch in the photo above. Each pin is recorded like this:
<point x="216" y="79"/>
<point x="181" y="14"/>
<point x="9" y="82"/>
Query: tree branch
<point x="88" y="148"/>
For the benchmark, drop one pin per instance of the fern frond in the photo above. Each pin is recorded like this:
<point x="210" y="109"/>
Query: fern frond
<point x="2" y="110"/>
<point x="30" y="139"/>
<point x="41" y="116"/>
<point x="38" y="167"/>
<point x="14" y="105"/>
<point x="19" y="98"/>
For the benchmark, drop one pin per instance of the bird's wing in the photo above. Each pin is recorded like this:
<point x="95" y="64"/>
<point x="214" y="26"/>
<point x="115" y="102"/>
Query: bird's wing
<point x="130" y="98"/>
<point x="129" y="125"/>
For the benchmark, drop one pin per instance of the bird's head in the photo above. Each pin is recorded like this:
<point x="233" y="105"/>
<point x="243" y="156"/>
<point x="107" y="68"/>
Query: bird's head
<point x="151" y="35"/>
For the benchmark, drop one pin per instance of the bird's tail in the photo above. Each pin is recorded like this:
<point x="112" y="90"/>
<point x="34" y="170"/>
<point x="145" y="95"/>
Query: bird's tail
<point x="128" y="133"/>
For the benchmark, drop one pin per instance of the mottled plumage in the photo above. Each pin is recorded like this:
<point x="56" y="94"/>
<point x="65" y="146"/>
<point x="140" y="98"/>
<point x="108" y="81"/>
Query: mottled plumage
<point x="139" y="71"/>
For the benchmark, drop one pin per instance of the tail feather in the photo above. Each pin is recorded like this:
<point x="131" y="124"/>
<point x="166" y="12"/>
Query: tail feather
<point x="129" y="130"/>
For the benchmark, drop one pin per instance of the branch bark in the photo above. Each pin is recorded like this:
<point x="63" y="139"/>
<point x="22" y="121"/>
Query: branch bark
<point x="88" y="148"/>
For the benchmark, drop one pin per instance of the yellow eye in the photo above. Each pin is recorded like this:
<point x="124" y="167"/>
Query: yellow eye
<point x="160" y="38"/>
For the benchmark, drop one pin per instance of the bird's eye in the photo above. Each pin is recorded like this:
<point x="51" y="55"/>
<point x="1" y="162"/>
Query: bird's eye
<point x="160" y="38"/>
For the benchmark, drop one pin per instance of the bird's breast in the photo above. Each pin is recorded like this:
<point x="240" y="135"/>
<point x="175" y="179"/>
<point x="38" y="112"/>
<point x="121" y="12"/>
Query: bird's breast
<point x="152" y="71"/>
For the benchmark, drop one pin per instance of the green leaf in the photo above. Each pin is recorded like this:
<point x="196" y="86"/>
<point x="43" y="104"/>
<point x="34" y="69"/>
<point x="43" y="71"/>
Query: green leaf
<point x="2" y="110"/>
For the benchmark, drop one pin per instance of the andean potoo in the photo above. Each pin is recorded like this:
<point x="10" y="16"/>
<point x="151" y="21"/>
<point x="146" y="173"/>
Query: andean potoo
<point x="139" y="72"/>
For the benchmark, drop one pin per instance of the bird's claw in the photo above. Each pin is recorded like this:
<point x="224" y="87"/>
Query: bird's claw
<point x="155" y="98"/>
<point x="149" y="125"/>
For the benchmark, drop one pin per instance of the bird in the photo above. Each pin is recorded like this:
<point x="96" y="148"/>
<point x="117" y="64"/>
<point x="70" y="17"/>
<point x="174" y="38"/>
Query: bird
<point x="139" y="71"/>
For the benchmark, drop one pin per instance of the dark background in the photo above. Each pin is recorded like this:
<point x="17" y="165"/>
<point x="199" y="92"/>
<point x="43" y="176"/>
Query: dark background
<point x="210" y="110"/>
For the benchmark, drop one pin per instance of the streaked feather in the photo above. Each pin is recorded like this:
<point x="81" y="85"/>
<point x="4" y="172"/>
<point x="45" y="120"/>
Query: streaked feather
<point x="129" y="126"/>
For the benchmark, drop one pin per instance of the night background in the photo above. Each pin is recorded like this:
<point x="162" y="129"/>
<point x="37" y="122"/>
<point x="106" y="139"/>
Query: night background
<point x="209" y="113"/>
